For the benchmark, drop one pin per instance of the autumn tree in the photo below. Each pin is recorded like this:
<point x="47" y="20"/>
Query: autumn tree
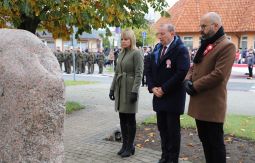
<point x="59" y="16"/>
<point x="106" y="42"/>
<point x="150" y="39"/>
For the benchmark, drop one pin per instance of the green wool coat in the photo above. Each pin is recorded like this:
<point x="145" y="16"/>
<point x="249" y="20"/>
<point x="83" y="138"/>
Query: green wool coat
<point x="127" y="79"/>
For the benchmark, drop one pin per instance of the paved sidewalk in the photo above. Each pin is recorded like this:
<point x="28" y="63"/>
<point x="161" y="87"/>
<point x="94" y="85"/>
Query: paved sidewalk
<point x="86" y="129"/>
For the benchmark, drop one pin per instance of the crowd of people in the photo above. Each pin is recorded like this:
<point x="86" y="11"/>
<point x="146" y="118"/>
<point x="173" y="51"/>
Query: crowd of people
<point x="84" y="59"/>
<point x="246" y="57"/>
<point x="167" y="71"/>
<point x="169" y="76"/>
<point x="242" y="57"/>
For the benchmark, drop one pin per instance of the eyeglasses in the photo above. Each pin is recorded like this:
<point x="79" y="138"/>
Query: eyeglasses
<point x="203" y="26"/>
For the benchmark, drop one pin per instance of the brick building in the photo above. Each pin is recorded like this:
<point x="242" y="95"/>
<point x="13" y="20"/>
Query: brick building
<point x="92" y="42"/>
<point x="238" y="18"/>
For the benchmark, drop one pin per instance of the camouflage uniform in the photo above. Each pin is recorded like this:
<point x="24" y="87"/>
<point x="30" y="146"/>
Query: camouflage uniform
<point x="79" y="61"/>
<point x="91" y="60"/>
<point x="85" y="58"/>
<point x="100" y="62"/>
<point x="60" y="57"/>
<point x="68" y="61"/>
<point x="95" y="61"/>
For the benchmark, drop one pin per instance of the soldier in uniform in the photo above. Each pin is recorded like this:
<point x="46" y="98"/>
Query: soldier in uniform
<point x="79" y="60"/>
<point x="91" y="63"/>
<point x="60" y="56"/>
<point x="71" y="59"/>
<point x="68" y="60"/>
<point x="94" y="61"/>
<point x="64" y="60"/>
<point x="85" y="59"/>
<point x="100" y="61"/>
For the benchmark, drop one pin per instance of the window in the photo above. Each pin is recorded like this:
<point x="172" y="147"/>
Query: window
<point x="229" y="37"/>
<point x="188" y="42"/>
<point x="244" y="41"/>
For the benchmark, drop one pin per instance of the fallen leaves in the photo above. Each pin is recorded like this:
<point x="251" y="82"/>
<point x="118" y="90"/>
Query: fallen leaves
<point x="191" y="134"/>
<point x="190" y="145"/>
<point x="147" y="140"/>
<point x="193" y="150"/>
<point x="150" y="137"/>
<point x="228" y="139"/>
<point x="147" y="129"/>
<point x="139" y="146"/>
<point x="151" y="134"/>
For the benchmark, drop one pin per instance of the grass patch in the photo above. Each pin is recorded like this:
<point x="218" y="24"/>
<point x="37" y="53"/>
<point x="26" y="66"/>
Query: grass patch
<point x="237" y="125"/>
<point x="110" y="69"/>
<point x="75" y="82"/>
<point x="240" y="126"/>
<point x="186" y="121"/>
<point x="73" y="106"/>
<point x="150" y="120"/>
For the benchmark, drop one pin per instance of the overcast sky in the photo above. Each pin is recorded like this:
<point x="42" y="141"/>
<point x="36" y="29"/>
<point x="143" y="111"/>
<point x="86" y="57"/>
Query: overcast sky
<point x="171" y="2"/>
<point x="156" y="16"/>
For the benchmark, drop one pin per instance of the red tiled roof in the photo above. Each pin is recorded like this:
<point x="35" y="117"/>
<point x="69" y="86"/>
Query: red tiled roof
<point x="237" y="15"/>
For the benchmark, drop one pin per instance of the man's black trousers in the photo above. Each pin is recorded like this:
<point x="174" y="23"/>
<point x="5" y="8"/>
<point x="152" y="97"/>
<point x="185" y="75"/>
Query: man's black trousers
<point x="211" y="135"/>
<point x="169" y="129"/>
<point x="250" y="67"/>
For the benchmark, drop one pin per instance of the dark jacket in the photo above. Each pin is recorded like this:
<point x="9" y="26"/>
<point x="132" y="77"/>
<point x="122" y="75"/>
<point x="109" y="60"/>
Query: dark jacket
<point x="170" y="77"/>
<point x="146" y="62"/>
<point x="250" y="58"/>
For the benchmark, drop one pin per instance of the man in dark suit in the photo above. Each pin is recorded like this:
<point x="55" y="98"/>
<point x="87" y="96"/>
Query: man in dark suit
<point x="168" y="66"/>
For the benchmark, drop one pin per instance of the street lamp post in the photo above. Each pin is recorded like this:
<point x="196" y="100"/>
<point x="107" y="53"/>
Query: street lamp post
<point x="74" y="43"/>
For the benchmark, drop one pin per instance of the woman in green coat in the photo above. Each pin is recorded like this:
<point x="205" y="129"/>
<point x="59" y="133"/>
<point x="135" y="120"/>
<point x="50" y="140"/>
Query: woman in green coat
<point x="125" y="89"/>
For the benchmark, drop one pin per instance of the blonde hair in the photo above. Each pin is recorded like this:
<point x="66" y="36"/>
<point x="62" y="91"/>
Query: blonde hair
<point x="129" y="33"/>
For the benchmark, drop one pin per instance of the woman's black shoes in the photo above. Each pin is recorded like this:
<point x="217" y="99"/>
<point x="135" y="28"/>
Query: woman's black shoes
<point x="128" y="152"/>
<point x="121" y="151"/>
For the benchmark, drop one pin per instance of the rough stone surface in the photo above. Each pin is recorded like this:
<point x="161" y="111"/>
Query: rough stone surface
<point x="31" y="100"/>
